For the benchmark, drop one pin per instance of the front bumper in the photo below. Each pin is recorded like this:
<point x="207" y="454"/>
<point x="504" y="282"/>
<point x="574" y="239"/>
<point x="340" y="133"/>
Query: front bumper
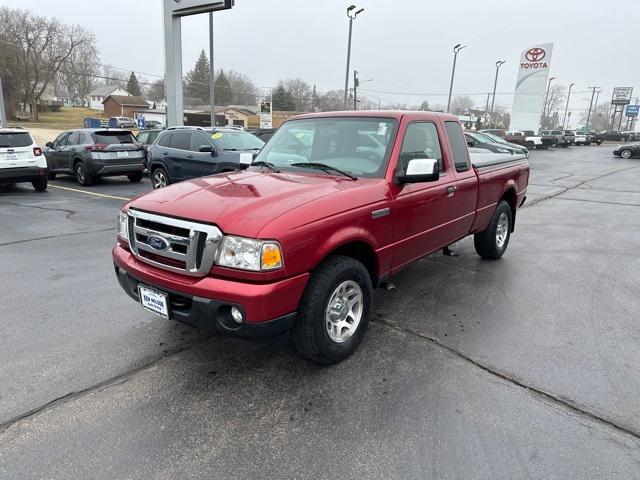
<point x="22" y="174"/>
<point x="269" y="309"/>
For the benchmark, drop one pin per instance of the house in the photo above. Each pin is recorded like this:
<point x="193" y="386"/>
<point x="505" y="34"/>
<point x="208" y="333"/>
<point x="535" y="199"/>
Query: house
<point x="97" y="96"/>
<point x="240" y="115"/>
<point x="124" y="105"/>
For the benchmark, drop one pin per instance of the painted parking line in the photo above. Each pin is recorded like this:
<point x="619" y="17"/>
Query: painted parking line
<point x="102" y="195"/>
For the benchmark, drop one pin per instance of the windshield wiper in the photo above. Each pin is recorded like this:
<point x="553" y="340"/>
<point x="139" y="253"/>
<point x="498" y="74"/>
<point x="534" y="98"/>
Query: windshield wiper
<point x="325" y="167"/>
<point x="269" y="165"/>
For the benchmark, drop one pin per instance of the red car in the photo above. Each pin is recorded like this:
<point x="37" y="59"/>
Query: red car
<point x="332" y="207"/>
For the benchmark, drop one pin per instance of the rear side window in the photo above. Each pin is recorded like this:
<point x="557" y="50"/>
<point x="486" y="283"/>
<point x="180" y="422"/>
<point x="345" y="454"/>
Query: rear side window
<point x="420" y="141"/>
<point x="180" y="141"/>
<point x="18" y="139"/>
<point x="111" y="138"/>
<point x="164" y="140"/>
<point x="74" y="138"/>
<point x="458" y="146"/>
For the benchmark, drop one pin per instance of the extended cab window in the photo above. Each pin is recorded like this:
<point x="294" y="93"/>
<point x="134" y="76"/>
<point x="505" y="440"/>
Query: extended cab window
<point x="420" y="141"/>
<point x="458" y="146"/>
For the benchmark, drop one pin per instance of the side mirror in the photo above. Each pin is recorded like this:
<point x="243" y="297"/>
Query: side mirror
<point x="420" y="170"/>
<point x="205" y="149"/>
<point x="49" y="144"/>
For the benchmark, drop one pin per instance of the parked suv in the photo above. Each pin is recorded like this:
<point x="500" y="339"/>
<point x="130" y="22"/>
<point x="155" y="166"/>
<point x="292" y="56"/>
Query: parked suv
<point x="122" y="122"/>
<point x="21" y="159"/>
<point x="182" y="153"/>
<point x="90" y="153"/>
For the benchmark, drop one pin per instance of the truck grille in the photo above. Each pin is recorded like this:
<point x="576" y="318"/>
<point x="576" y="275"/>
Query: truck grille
<point x="177" y="245"/>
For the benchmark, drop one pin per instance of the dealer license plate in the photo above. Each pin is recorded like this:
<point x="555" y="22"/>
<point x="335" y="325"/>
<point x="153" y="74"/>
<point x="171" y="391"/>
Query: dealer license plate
<point x="10" y="156"/>
<point x="123" y="154"/>
<point x="154" y="301"/>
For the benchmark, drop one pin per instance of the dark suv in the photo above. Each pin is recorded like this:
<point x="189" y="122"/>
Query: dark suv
<point x="182" y="153"/>
<point x="90" y="153"/>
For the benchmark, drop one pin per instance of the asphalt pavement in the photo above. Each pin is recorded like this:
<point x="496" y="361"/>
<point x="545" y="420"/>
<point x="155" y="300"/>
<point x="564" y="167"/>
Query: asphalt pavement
<point x="528" y="367"/>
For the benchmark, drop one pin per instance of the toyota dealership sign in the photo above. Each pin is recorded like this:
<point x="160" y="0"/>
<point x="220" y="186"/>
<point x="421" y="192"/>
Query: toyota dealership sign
<point x="533" y="74"/>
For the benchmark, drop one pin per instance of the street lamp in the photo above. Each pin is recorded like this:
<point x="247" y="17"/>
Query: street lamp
<point x="352" y="16"/>
<point x="456" y="50"/>
<point x="544" y="106"/>
<point x="564" y="120"/>
<point x="495" y="84"/>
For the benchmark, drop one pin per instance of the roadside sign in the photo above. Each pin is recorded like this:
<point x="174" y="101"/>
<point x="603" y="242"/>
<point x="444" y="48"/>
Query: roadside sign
<point x="632" y="110"/>
<point x="266" y="116"/>
<point x="621" y="96"/>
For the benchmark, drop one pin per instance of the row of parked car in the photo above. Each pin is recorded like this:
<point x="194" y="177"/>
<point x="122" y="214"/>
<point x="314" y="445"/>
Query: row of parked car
<point x="180" y="153"/>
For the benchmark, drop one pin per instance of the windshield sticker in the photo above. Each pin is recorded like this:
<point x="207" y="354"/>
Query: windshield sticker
<point x="217" y="135"/>
<point x="382" y="128"/>
<point x="300" y="135"/>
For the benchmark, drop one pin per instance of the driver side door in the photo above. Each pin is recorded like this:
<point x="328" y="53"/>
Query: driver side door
<point x="54" y="154"/>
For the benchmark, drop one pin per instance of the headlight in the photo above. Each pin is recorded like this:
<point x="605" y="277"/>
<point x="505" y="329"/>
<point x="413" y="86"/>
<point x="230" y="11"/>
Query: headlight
<point x="249" y="254"/>
<point x="123" y="228"/>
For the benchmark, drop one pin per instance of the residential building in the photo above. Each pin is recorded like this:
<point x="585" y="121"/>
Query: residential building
<point x="124" y="105"/>
<point x="97" y="96"/>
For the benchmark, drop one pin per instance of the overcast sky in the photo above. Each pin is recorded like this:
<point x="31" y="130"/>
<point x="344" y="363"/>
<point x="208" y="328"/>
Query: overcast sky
<point x="403" y="45"/>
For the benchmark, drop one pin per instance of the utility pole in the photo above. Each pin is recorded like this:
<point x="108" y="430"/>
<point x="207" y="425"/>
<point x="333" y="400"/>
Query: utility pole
<point x="212" y="74"/>
<point x="593" y="92"/>
<point x="356" y="84"/>
<point x="495" y="84"/>
<point x="456" y="50"/>
<point x="566" y="108"/>
<point x="3" y="113"/>
<point x="352" y="17"/>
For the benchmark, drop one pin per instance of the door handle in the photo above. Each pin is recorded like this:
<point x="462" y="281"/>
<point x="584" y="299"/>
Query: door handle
<point x="450" y="190"/>
<point x="189" y="156"/>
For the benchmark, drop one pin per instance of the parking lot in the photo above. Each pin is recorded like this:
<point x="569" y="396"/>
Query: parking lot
<point x="522" y="368"/>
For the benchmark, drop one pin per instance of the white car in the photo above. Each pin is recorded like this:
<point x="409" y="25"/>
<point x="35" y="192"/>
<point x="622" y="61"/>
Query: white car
<point x="21" y="159"/>
<point x="581" y="139"/>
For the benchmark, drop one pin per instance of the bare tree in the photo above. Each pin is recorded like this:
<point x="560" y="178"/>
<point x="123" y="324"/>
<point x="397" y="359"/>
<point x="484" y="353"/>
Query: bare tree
<point x="301" y="93"/>
<point x="330" y="101"/>
<point x="244" y="90"/>
<point x="599" y="119"/>
<point x="554" y="101"/>
<point x="42" y="47"/>
<point x="461" y="104"/>
<point x="79" y="74"/>
<point x="156" y="90"/>
<point x="114" y="76"/>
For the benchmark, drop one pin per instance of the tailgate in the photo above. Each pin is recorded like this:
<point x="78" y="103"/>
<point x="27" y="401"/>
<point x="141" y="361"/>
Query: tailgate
<point x="16" y="150"/>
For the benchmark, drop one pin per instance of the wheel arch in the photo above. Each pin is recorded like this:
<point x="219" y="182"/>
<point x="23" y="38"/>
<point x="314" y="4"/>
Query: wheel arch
<point x="511" y="197"/>
<point x="358" y="247"/>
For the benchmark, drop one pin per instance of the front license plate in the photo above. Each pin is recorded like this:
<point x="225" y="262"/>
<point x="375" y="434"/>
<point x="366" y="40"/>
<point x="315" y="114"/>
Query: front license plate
<point x="123" y="154"/>
<point x="154" y="301"/>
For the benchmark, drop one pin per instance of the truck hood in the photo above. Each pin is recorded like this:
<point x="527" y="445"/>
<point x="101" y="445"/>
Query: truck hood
<point x="242" y="203"/>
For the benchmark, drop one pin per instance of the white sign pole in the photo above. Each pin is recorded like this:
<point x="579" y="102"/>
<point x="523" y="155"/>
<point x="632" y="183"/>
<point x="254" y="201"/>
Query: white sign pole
<point x="3" y="113"/>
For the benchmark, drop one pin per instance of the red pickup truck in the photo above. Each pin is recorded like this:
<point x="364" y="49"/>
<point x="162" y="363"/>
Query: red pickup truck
<point x="333" y="205"/>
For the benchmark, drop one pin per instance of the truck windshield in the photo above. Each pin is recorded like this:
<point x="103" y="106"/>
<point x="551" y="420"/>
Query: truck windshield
<point x="359" y="146"/>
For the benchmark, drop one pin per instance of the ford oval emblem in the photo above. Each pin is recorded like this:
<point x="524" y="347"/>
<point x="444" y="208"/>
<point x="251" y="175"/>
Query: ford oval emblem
<point x="157" y="243"/>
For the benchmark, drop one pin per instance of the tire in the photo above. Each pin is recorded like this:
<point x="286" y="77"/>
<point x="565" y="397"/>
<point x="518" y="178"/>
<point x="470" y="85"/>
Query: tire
<point x="135" y="177"/>
<point x="598" y="142"/>
<point x="52" y="175"/>
<point x="588" y="143"/>
<point x="626" y="153"/>
<point x="317" y="333"/>
<point x="83" y="178"/>
<point x="159" y="178"/>
<point x="493" y="241"/>
<point x="41" y="184"/>
<point x="121" y="126"/>
<point x="529" y="145"/>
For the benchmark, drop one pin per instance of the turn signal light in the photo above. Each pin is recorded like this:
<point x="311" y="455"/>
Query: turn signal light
<point x="271" y="256"/>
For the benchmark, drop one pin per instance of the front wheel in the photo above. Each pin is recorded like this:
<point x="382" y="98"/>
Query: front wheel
<point x="626" y="153"/>
<point x="334" y="311"/>
<point x="492" y="242"/>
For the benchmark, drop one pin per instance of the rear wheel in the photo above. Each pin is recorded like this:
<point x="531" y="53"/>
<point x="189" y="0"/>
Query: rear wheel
<point x="530" y="145"/>
<point x="83" y="177"/>
<point x="334" y="310"/>
<point x="40" y="184"/>
<point x="492" y="242"/>
<point x="135" y="177"/>
<point x="159" y="178"/>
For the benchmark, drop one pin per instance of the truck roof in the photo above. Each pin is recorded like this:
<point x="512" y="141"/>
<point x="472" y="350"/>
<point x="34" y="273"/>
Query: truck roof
<point x="395" y="114"/>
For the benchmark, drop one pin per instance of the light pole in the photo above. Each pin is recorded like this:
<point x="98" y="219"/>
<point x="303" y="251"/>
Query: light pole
<point x="544" y="105"/>
<point x="564" y="120"/>
<point x="456" y="50"/>
<point x="352" y="16"/>
<point x="495" y="84"/>
<point x="593" y="91"/>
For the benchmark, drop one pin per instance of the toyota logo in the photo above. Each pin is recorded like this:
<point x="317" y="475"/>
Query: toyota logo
<point x="535" y="54"/>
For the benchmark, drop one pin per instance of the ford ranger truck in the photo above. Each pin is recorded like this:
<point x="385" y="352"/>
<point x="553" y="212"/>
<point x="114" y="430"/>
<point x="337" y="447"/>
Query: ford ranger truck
<point x="333" y="206"/>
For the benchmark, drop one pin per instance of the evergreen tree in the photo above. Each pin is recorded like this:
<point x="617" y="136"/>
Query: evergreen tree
<point x="133" y="87"/>
<point x="282" y="99"/>
<point x="196" y="81"/>
<point x="224" y="92"/>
